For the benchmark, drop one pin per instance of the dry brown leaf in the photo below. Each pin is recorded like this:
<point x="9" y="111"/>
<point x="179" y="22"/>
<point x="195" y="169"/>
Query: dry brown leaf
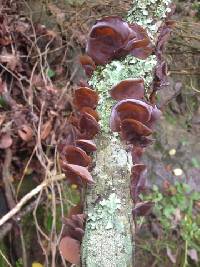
<point x="171" y="256"/>
<point x="70" y="249"/>
<point x="192" y="253"/>
<point x="46" y="129"/>
<point x="25" y="132"/>
<point x="5" y="141"/>
<point x="11" y="59"/>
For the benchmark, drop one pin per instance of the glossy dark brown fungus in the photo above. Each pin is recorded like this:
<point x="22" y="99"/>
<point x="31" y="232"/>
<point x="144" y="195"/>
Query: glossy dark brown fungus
<point x="88" y="64"/>
<point x="88" y="126"/>
<point x="75" y="171"/>
<point x="85" y="97"/>
<point x="138" y="180"/>
<point x="87" y="145"/>
<point x="136" y="153"/>
<point x="111" y="38"/>
<point x="129" y="108"/>
<point x="142" y="208"/>
<point x="134" y="126"/>
<point x="91" y="112"/>
<point x="75" y="155"/>
<point x="139" y="45"/>
<point x="130" y="88"/>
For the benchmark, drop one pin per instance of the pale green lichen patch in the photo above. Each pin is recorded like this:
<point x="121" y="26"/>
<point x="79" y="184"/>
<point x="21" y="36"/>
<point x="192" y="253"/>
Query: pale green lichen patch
<point x="107" y="227"/>
<point x="148" y="13"/>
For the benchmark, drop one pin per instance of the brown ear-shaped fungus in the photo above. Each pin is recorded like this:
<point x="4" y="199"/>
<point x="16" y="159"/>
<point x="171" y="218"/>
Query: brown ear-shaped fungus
<point x="155" y="115"/>
<point x="85" y="97"/>
<point x="139" y="45"/>
<point x="111" y="37"/>
<point x="87" y="145"/>
<point x="74" y="226"/>
<point x="136" y="153"/>
<point x="70" y="249"/>
<point x="75" y="155"/>
<point x="130" y="108"/>
<point x="91" y="112"/>
<point x="88" y="126"/>
<point x="88" y="64"/>
<point x="106" y="38"/>
<point x="138" y="180"/>
<point x="142" y="208"/>
<point x="129" y="126"/>
<point x="130" y="88"/>
<point x="75" y="171"/>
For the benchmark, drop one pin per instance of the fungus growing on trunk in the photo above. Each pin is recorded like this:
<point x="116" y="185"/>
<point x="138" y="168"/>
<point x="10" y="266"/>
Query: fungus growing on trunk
<point x="88" y="126"/>
<point x="73" y="171"/>
<point x="111" y="38"/>
<point x="85" y="97"/>
<point x="87" y="145"/>
<point x="130" y="88"/>
<point x="87" y="64"/>
<point x="75" y="155"/>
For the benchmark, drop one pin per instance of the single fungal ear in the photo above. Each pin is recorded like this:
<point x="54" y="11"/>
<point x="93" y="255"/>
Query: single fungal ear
<point x="88" y="126"/>
<point x="85" y="97"/>
<point x="73" y="171"/>
<point x="130" y="88"/>
<point x="87" y="64"/>
<point x="138" y="180"/>
<point x="129" y="108"/>
<point x="111" y="38"/>
<point x="75" y="155"/>
<point x="140" y="46"/>
<point x="91" y="112"/>
<point x="87" y="145"/>
<point x="133" y="127"/>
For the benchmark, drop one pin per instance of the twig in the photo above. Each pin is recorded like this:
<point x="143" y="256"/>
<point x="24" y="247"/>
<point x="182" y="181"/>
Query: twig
<point x="6" y="178"/>
<point x="5" y="259"/>
<point x="28" y="196"/>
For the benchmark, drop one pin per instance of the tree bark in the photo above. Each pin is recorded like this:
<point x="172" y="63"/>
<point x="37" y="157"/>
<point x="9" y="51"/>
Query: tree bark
<point x="109" y="233"/>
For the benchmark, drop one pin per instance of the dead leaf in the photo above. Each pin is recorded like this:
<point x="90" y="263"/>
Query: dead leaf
<point x="11" y="59"/>
<point x="142" y="208"/>
<point x="5" y="141"/>
<point x="171" y="256"/>
<point x="46" y="129"/>
<point x="192" y="253"/>
<point x="70" y="249"/>
<point x="25" y="132"/>
<point x="2" y="118"/>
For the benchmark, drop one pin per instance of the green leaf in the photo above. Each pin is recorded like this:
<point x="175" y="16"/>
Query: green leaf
<point x="50" y="73"/>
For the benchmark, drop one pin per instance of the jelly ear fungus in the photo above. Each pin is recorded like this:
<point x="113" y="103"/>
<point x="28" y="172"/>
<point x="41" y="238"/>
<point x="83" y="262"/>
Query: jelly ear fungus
<point x="75" y="161"/>
<point x="134" y="119"/>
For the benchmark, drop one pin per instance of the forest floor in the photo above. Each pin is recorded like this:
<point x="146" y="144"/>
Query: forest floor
<point x="39" y="72"/>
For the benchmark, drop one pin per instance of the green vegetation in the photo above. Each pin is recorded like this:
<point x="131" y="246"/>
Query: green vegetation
<point x="177" y="222"/>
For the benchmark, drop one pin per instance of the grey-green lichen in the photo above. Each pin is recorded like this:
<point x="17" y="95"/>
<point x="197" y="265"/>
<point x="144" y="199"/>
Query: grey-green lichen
<point x="149" y="13"/>
<point x="108" y="236"/>
<point x="106" y="224"/>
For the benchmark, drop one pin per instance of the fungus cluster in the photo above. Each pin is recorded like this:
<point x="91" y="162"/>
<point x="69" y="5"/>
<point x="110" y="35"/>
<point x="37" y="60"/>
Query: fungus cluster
<point x="134" y="119"/>
<point x="111" y="38"/>
<point x="75" y="159"/>
<point x="132" y="116"/>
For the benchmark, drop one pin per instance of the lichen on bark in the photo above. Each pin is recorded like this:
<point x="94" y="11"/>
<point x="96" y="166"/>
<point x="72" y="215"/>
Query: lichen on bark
<point x="108" y="240"/>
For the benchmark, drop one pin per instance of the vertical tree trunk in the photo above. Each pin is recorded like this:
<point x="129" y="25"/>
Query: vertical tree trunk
<point x="109" y="233"/>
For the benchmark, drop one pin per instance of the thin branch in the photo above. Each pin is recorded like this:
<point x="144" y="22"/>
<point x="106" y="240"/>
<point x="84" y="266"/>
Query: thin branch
<point x="28" y="196"/>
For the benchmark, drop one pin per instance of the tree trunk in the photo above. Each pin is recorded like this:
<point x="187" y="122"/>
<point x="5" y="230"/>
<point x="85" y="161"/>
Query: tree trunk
<point x="109" y="233"/>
